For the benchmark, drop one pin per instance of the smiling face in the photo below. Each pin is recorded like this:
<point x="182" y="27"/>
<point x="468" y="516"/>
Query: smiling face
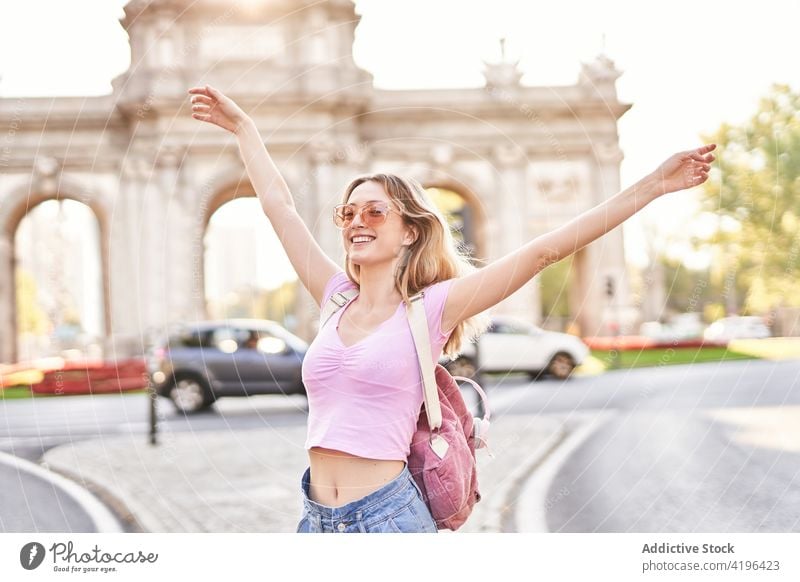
<point x="390" y="238"/>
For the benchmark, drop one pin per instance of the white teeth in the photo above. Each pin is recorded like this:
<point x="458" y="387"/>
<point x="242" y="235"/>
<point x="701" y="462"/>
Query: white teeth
<point x="361" y="239"/>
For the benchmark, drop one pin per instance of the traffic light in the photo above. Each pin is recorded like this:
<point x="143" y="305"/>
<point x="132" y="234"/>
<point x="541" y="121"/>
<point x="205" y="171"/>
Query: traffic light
<point x="610" y="286"/>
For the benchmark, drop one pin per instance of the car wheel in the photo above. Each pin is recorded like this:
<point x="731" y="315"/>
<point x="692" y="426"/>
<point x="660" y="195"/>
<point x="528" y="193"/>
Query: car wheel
<point x="462" y="366"/>
<point x="190" y="394"/>
<point x="561" y="366"/>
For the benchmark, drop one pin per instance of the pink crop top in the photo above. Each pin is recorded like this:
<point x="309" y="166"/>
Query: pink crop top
<point x="365" y="399"/>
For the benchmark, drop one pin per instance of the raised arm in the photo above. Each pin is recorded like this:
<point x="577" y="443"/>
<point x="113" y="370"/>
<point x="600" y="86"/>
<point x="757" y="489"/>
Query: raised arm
<point x="313" y="266"/>
<point x="478" y="291"/>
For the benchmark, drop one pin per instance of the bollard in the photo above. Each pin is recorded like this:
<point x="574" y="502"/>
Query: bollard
<point x="153" y="395"/>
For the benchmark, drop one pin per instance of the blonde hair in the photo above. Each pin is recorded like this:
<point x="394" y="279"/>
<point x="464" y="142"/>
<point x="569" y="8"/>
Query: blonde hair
<point x="433" y="257"/>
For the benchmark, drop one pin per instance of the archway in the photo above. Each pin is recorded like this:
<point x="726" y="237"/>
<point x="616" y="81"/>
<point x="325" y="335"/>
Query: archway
<point x="246" y="272"/>
<point x="60" y="293"/>
<point x="464" y="216"/>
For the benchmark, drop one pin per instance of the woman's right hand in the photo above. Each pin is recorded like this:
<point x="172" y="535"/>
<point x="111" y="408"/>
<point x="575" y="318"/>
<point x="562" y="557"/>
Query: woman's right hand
<point x="209" y="104"/>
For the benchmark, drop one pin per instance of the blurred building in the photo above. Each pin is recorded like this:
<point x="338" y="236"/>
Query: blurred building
<point x="522" y="159"/>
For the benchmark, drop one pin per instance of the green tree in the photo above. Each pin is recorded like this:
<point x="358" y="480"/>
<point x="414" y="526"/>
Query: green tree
<point x="757" y="191"/>
<point x="31" y="317"/>
<point x="555" y="282"/>
<point x="697" y="289"/>
<point x="276" y="304"/>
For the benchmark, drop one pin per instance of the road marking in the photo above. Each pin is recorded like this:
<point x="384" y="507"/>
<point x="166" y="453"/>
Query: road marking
<point x="103" y="519"/>
<point x="531" y="514"/>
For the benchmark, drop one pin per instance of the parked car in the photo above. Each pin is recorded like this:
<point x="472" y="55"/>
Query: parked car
<point x="513" y="345"/>
<point x="737" y="327"/>
<point x="657" y="331"/>
<point x="685" y="326"/>
<point x="198" y="363"/>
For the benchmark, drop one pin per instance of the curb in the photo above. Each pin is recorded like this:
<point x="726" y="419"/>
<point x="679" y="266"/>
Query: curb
<point x="531" y="513"/>
<point x="521" y="443"/>
<point x="130" y="511"/>
<point x="104" y="520"/>
<point x="122" y="514"/>
<point x="506" y="499"/>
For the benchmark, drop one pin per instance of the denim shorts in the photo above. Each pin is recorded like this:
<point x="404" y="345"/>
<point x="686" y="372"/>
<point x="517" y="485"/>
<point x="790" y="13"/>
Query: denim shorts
<point x="397" y="507"/>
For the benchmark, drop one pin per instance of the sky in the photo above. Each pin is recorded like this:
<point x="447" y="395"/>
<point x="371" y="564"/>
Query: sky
<point x="687" y="66"/>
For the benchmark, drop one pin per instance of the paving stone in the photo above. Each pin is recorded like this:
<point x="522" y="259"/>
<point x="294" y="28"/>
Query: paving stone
<point x="249" y="481"/>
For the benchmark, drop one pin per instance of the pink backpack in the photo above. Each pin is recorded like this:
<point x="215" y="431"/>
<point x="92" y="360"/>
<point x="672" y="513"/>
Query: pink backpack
<point x="442" y="458"/>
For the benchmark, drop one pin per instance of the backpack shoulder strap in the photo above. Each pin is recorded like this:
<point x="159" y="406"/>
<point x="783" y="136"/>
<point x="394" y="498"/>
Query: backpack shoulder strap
<point x="419" y="331"/>
<point x="335" y="303"/>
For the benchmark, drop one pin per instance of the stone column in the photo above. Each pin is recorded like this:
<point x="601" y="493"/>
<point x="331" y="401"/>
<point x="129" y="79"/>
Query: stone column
<point x="174" y="223"/>
<point x="8" y="337"/>
<point x="127" y="246"/>
<point x="509" y="222"/>
<point x="332" y="169"/>
<point x="654" y="297"/>
<point x="185" y="256"/>
<point x="316" y="196"/>
<point x="605" y="258"/>
<point x="326" y="194"/>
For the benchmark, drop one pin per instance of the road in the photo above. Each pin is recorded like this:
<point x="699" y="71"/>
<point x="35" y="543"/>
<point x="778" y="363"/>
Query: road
<point x="664" y="461"/>
<point x="736" y="384"/>
<point x="29" y="503"/>
<point x="29" y="427"/>
<point x="34" y="500"/>
<point x="703" y="448"/>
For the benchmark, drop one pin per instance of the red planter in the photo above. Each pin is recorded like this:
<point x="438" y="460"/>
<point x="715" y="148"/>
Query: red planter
<point x="94" y="378"/>
<point x="639" y="342"/>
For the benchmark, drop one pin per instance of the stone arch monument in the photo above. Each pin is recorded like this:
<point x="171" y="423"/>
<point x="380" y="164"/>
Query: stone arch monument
<point x="526" y="159"/>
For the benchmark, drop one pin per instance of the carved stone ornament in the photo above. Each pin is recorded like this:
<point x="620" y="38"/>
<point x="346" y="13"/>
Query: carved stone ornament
<point x="508" y="154"/>
<point x="600" y="71"/>
<point x="46" y="166"/>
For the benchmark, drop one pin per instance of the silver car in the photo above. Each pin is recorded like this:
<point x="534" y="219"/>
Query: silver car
<point x="198" y="363"/>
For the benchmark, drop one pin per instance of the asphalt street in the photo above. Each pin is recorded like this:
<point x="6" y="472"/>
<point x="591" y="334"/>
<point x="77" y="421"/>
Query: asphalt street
<point x="674" y="471"/>
<point x="663" y="462"/>
<point x="666" y="459"/>
<point x="29" y="503"/>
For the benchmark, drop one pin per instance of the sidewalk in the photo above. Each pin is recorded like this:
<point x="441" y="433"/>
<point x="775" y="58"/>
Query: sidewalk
<point x="249" y="481"/>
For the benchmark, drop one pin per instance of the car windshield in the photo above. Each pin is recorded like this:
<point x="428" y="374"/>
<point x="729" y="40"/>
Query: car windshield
<point x="190" y="338"/>
<point x="263" y="335"/>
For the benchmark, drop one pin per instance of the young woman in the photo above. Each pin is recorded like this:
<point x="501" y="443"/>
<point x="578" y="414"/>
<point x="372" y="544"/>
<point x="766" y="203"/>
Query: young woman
<point x="361" y="371"/>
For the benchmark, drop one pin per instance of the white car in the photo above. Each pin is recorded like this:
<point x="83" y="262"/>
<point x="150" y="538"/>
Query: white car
<point x="685" y="326"/>
<point x="513" y="345"/>
<point x="737" y="327"/>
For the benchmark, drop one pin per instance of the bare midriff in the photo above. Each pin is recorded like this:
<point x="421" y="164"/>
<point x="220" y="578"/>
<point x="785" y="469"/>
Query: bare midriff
<point x="337" y="478"/>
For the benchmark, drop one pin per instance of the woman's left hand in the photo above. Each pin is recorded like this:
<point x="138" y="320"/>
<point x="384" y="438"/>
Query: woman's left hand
<point x="684" y="170"/>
